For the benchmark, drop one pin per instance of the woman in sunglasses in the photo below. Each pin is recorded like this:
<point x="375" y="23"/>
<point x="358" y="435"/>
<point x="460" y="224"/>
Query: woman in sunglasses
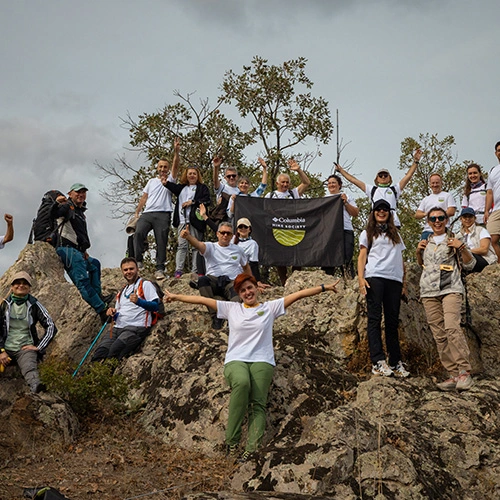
<point x="477" y="239"/>
<point x="441" y="257"/>
<point x="381" y="277"/>
<point x="383" y="188"/>
<point x="249" y="363"/>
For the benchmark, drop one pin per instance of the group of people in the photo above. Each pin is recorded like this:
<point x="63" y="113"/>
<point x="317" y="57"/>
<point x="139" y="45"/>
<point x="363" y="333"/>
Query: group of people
<point x="228" y="268"/>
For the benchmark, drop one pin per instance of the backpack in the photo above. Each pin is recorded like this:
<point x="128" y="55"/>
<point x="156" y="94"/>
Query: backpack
<point x="155" y="315"/>
<point x="218" y="213"/>
<point x="44" y="227"/>
<point x="45" y="493"/>
<point x="392" y="188"/>
<point x="290" y="192"/>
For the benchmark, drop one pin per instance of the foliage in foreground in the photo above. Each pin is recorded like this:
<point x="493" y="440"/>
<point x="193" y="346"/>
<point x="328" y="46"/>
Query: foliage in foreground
<point x="97" y="390"/>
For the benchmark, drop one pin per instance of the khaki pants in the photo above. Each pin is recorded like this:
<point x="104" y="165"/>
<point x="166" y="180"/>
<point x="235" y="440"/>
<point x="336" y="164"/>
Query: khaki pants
<point x="443" y="316"/>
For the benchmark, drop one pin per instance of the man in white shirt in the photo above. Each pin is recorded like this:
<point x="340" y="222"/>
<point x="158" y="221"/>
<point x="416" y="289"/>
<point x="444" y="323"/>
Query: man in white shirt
<point x="438" y="198"/>
<point x="133" y="314"/>
<point x="157" y="204"/>
<point x="9" y="234"/>
<point x="224" y="261"/>
<point x="492" y="219"/>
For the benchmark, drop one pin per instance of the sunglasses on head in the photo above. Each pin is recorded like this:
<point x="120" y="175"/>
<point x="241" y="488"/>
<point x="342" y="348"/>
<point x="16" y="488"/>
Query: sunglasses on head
<point x="434" y="218"/>
<point x="225" y="233"/>
<point x="231" y="176"/>
<point x="242" y="226"/>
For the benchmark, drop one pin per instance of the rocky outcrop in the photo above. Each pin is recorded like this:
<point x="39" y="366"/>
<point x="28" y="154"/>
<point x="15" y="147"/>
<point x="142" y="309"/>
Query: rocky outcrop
<point x="332" y="430"/>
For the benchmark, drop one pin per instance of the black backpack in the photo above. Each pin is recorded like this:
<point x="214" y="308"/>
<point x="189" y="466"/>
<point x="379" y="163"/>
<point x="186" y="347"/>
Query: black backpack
<point x="44" y="226"/>
<point x="45" y="493"/>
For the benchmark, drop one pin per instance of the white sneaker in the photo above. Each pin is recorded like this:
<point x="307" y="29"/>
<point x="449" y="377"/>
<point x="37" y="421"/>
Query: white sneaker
<point x="382" y="368"/>
<point x="400" y="370"/>
<point x="159" y="275"/>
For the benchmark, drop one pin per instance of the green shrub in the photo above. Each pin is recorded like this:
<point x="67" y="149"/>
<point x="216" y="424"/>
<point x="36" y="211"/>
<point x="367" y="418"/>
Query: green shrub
<point x="97" y="390"/>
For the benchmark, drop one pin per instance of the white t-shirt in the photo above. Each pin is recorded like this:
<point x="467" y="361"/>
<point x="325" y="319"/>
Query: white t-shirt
<point x="284" y="195"/>
<point x="474" y="241"/>
<point x="159" y="198"/>
<point x="224" y="261"/>
<point x="387" y="194"/>
<point x="494" y="185"/>
<point x="443" y="200"/>
<point x="385" y="260"/>
<point x="226" y="188"/>
<point x="130" y="314"/>
<point x="250" y="330"/>
<point x="254" y="194"/>
<point x="186" y="194"/>
<point x="251" y="249"/>
<point x="347" y="217"/>
<point x="477" y="201"/>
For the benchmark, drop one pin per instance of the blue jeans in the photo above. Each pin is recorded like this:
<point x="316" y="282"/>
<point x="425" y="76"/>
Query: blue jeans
<point x="85" y="274"/>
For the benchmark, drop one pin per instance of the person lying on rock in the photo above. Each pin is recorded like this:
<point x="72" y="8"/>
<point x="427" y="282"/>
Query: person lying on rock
<point x="133" y="314"/>
<point x="249" y="363"/>
<point x="19" y="342"/>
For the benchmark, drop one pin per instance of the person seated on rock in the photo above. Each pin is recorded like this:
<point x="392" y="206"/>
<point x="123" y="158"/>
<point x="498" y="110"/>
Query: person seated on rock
<point x="133" y="314"/>
<point x="74" y="242"/>
<point x="249" y="363"/>
<point x="224" y="261"/>
<point x="441" y="291"/>
<point x="9" y="234"/>
<point x="477" y="239"/>
<point x="19" y="341"/>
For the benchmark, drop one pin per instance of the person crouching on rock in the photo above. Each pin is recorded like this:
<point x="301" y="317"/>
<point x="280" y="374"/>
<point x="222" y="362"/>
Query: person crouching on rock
<point x="19" y="314"/>
<point x="249" y="364"/>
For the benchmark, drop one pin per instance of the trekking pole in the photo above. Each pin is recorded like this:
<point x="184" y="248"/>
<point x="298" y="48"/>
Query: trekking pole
<point x="91" y="345"/>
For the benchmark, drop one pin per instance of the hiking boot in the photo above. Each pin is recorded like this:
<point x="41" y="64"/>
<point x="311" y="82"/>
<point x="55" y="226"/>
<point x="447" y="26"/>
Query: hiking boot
<point x="400" y="370"/>
<point x="193" y="284"/>
<point x="159" y="275"/>
<point x="448" y="385"/>
<point x="231" y="450"/>
<point x="37" y="387"/>
<point x="464" y="381"/>
<point x="217" y="323"/>
<point x="382" y="368"/>
<point x="177" y="274"/>
<point x="244" y="457"/>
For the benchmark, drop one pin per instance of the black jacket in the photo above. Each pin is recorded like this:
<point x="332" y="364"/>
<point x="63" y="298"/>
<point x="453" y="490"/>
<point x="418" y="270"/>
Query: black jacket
<point x="202" y="195"/>
<point x="73" y="230"/>
<point x="36" y="314"/>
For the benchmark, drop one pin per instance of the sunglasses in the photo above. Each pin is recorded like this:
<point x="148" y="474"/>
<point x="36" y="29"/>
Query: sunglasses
<point x="20" y="283"/>
<point x="434" y="218"/>
<point x="225" y="233"/>
<point x="383" y="174"/>
<point x="242" y="226"/>
<point x="231" y="176"/>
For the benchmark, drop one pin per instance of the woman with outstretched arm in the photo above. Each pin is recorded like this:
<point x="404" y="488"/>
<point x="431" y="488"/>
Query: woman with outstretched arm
<point x="249" y="364"/>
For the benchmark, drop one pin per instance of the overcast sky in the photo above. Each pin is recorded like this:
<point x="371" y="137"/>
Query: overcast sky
<point x="393" y="68"/>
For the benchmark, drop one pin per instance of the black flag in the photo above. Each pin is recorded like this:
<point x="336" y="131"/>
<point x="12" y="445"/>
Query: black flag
<point x="291" y="232"/>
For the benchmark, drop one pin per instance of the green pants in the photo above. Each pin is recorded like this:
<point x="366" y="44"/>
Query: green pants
<point x="249" y="384"/>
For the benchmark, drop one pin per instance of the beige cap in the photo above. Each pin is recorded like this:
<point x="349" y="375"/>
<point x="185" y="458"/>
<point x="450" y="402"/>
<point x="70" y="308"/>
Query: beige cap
<point x="244" y="221"/>
<point x="22" y="275"/>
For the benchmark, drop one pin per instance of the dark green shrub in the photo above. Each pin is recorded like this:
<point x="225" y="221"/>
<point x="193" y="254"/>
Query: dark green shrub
<point x="97" y="390"/>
